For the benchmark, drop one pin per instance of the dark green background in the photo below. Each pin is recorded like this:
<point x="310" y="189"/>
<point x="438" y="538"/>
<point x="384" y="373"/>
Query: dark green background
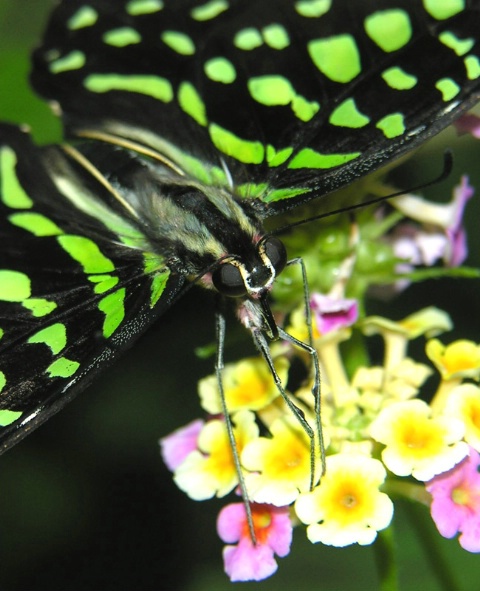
<point x="86" y="503"/>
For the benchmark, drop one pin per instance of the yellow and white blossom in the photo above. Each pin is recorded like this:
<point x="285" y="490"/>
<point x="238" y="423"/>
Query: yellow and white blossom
<point x="347" y="507"/>
<point x="416" y="442"/>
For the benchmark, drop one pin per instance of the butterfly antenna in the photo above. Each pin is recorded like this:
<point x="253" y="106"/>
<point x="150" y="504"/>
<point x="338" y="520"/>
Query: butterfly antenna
<point x="446" y="171"/>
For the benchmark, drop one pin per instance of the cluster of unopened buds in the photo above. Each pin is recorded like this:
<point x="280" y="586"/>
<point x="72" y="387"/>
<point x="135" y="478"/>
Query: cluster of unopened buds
<point x="381" y="439"/>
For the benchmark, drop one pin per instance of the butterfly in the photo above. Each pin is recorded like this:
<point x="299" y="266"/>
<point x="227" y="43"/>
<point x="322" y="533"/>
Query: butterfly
<point x="189" y="124"/>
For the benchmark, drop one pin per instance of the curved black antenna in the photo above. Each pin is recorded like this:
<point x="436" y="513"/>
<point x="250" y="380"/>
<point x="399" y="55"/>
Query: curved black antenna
<point x="446" y="171"/>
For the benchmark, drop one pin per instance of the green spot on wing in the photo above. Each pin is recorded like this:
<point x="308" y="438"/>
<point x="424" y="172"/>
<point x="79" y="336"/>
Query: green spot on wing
<point x="392" y="125"/>
<point x="399" y="79"/>
<point x="54" y="336"/>
<point x="313" y="8"/>
<point x="336" y="57"/>
<point x="250" y="190"/>
<point x="85" y="16"/>
<point x="179" y="42"/>
<point x="121" y="37"/>
<point x="14" y="286"/>
<point x="472" y="64"/>
<point x="191" y="102"/>
<point x="304" y="109"/>
<point x="219" y="69"/>
<point x="277" y="90"/>
<point x="249" y="152"/>
<point x="448" y="87"/>
<point x="282" y="194"/>
<point x="209" y="10"/>
<point x="153" y="264"/>
<point x="36" y="223"/>
<point x="248" y="39"/>
<point x="459" y="46"/>
<point x="3" y="381"/>
<point x="443" y="9"/>
<point x="137" y="7"/>
<point x="308" y="158"/>
<point x="72" y="61"/>
<point x="348" y="115"/>
<point x="113" y="306"/>
<point x="271" y="90"/>
<point x="276" y="36"/>
<point x="159" y="283"/>
<point x="7" y="417"/>
<point x="154" y="86"/>
<point x="275" y="158"/>
<point x="11" y="191"/>
<point x="103" y="282"/>
<point x="62" y="368"/>
<point x="389" y="29"/>
<point x="87" y="253"/>
<point x="39" y="307"/>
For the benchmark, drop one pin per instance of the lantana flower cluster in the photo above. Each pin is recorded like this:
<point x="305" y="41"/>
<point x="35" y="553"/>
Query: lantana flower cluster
<point x="384" y="435"/>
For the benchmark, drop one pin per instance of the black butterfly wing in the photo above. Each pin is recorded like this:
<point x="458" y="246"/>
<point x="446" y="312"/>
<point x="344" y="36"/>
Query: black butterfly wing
<point x="78" y="282"/>
<point x="294" y="98"/>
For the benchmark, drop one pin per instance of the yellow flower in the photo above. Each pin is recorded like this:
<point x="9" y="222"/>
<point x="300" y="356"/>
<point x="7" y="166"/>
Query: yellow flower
<point x="210" y="470"/>
<point x="378" y="387"/>
<point x="464" y="403"/>
<point x="247" y="384"/>
<point x="279" y="466"/>
<point x="460" y="359"/>
<point x="417" y="443"/>
<point x="429" y="321"/>
<point x="347" y="506"/>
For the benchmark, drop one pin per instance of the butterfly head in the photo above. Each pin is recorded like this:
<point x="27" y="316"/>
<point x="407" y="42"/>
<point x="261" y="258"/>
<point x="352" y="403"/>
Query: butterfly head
<point x="235" y="277"/>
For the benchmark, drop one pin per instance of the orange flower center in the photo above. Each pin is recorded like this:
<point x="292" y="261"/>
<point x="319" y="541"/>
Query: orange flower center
<point x="349" y="501"/>
<point x="262" y="520"/>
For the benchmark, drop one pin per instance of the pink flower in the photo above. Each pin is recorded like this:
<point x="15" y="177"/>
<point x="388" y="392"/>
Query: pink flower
<point x="440" y="234"/>
<point x="179" y="444"/>
<point x="332" y="313"/>
<point x="455" y="232"/>
<point x="417" y="246"/>
<point x="273" y="530"/>
<point x="456" y="502"/>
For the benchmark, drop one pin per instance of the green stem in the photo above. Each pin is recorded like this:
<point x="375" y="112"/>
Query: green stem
<point x="411" y="491"/>
<point x="386" y="560"/>
<point x="429" y="542"/>
<point x="354" y="353"/>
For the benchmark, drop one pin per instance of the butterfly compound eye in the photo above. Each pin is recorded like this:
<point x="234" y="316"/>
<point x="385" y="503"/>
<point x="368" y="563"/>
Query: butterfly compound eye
<point x="276" y="253"/>
<point x="229" y="281"/>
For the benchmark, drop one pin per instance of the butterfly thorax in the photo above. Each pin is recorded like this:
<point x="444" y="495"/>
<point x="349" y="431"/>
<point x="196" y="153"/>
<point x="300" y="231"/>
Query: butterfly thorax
<point x="205" y="233"/>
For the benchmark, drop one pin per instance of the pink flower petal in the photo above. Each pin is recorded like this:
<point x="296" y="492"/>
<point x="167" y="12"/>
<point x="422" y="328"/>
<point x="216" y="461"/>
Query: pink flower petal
<point x="332" y="313"/>
<point x="179" y="444"/>
<point x="470" y="538"/>
<point x="455" y="504"/>
<point x="273" y="530"/>
<point x="462" y="193"/>
<point x="246" y="562"/>
<point x="231" y="522"/>
<point x="280" y="537"/>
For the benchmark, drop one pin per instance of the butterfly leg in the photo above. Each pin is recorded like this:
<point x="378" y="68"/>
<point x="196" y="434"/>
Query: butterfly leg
<point x="262" y="344"/>
<point x="310" y="349"/>
<point x="219" y="366"/>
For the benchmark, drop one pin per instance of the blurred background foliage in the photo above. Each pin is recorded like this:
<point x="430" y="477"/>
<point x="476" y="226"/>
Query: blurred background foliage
<point x="86" y="502"/>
